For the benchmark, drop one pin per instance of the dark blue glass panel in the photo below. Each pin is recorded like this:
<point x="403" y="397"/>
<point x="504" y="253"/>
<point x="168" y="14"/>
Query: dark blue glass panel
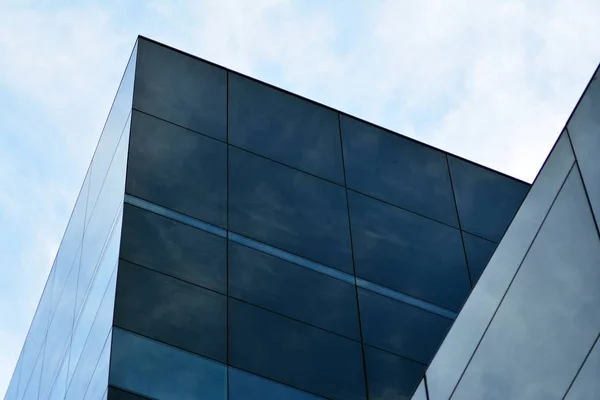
<point x="162" y="372"/>
<point x="390" y="376"/>
<point x="117" y="394"/>
<point x="245" y="386"/>
<point x="478" y="252"/>
<point x="584" y="128"/>
<point x="406" y="252"/>
<point x="549" y="318"/>
<point x="474" y="317"/>
<point x="293" y="290"/>
<point x="171" y="311"/>
<point x="294" y="353"/>
<point x="288" y="209"/>
<point x="486" y="200"/>
<point x="397" y="170"/>
<point x="400" y="328"/>
<point x="178" y="169"/>
<point x="181" y="89"/>
<point x="587" y="383"/>
<point x="284" y="128"/>
<point x="173" y="248"/>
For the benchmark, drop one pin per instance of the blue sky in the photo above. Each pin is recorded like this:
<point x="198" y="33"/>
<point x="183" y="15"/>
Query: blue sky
<point x="493" y="81"/>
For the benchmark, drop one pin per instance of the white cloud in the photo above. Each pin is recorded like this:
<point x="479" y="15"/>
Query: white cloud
<point x="491" y="81"/>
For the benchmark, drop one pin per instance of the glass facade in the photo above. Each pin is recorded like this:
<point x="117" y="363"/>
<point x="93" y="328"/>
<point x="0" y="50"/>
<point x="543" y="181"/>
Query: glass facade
<point x="530" y="327"/>
<point x="235" y="241"/>
<point x="66" y="352"/>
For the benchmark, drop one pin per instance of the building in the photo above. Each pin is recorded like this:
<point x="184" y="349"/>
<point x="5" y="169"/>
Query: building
<point x="530" y="328"/>
<point x="235" y="241"/>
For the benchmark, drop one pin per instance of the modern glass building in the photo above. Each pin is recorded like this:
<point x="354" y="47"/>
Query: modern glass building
<point x="530" y="328"/>
<point x="235" y="241"/>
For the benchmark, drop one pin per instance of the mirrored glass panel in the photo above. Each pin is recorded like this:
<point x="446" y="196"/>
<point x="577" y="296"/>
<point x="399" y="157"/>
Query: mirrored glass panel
<point x="587" y="383"/>
<point x="486" y="200"/>
<point x="59" y="334"/>
<point x="31" y="388"/>
<point x="550" y="316"/>
<point x="288" y="209"/>
<point x="59" y="387"/>
<point x="292" y="290"/>
<point x="397" y="170"/>
<point x="162" y="372"/>
<point x="111" y="135"/>
<point x="293" y="353"/>
<point x="478" y="251"/>
<point x="173" y="248"/>
<point x="406" y="252"/>
<point x="96" y="294"/>
<point x="245" y="386"/>
<point x="390" y="376"/>
<point x="99" y="382"/>
<point x="171" y="311"/>
<point x="400" y="328"/>
<point x="105" y="217"/>
<point x="33" y="346"/>
<point x="285" y="128"/>
<point x="181" y="89"/>
<point x="583" y="128"/>
<point x="81" y="371"/>
<point x="177" y="169"/>
<point x="453" y="355"/>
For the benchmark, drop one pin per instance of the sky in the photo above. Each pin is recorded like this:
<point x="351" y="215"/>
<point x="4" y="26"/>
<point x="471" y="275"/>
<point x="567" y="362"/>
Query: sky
<point x="492" y="81"/>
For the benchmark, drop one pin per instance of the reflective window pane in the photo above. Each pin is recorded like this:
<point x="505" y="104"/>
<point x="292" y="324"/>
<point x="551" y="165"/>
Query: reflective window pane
<point x="284" y="128"/>
<point x="587" y="383"/>
<point x="59" y="333"/>
<point x="390" y="376"/>
<point x="162" y="372"/>
<point x="550" y="316"/>
<point x="403" y="251"/>
<point x="96" y="294"/>
<point x="59" y="387"/>
<point x="31" y="388"/>
<point x="294" y="353"/>
<point x="173" y="248"/>
<point x="99" y="382"/>
<point x="114" y="127"/>
<point x="288" y="209"/>
<point x="105" y="217"/>
<point x="289" y="289"/>
<point x="455" y="352"/>
<point x="583" y="128"/>
<point x="181" y="89"/>
<point x="171" y="311"/>
<point x="33" y="346"/>
<point x="400" y="328"/>
<point x="245" y="386"/>
<point x="486" y="200"/>
<point x="397" y="170"/>
<point x="177" y="169"/>
<point x="81" y="370"/>
<point x="478" y="252"/>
